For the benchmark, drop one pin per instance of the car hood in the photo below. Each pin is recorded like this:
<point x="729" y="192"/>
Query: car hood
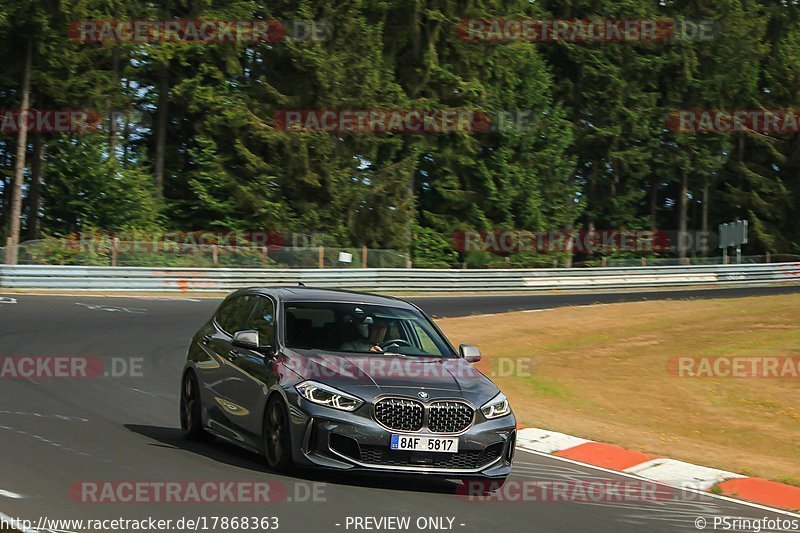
<point x="373" y="375"/>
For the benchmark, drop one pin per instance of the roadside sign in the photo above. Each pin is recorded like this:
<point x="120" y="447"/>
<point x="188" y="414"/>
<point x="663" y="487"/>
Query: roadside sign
<point x="733" y="234"/>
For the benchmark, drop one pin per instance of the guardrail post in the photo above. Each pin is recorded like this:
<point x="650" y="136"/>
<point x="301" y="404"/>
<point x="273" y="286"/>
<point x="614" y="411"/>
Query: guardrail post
<point x="768" y="258"/>
<point x="265" y="256"/>
<point x="604" y="262"/>
<point x="321" y="257"/>
<point x="114" y="251"/>
<point x="8" y="256"/>
<point x="215" y="254"/>
<point x="644" y="261"/>
<point x="364" y="253"/>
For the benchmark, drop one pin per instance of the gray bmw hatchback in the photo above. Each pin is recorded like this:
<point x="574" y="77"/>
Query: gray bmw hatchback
<point x="344" y="381"/>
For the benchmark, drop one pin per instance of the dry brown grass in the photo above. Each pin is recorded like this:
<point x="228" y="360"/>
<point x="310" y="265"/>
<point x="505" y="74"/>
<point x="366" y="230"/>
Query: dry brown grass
<point x="601" y="373"/>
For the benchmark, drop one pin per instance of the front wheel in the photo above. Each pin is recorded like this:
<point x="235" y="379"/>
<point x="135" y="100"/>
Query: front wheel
<point x="277" y="436"/>
<point x="191" y="416"/>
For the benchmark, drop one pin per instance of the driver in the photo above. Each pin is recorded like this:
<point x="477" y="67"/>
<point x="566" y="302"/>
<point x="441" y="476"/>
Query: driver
<point x="370" y="343"/>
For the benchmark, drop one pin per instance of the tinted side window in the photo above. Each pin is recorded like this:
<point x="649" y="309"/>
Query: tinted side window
<point x="316" y="316"/>
<point x="263" y="321"/>
<point x="233" y="314"/>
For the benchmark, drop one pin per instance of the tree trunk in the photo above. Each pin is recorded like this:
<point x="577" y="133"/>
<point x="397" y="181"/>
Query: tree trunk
<point x="5" y="200"/>
<point x="35" y="194"/>
<point x="112" y="113"/>
<point x="5" y="197"/>
<point x="411" y="190"/>
<point x="126" y="129"/>
<point x="654" y="206"/>
<point x="705" y="214"/>
<point x="569" y="244"/>
<point x="19" y="164"/>
<point x="161" y="127"/>
<point x="683" y="204"/>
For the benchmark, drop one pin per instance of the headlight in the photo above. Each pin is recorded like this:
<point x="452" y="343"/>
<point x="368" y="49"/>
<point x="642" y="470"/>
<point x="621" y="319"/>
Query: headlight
<point x="328" y="396"/>
<point x="496" y="407"/>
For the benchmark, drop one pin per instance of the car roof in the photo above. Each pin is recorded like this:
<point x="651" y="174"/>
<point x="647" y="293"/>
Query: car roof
<point x="312" y="294"/>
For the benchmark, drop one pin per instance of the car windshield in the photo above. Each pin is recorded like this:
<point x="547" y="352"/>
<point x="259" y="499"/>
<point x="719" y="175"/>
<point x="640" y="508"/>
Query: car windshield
<point x="362" y="328"/>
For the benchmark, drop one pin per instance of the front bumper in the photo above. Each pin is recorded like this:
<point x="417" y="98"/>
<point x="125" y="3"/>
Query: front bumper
<point x="338" y="440"/>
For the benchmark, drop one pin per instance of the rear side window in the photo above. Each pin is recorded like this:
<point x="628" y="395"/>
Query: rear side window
<point x="233" y="314"/>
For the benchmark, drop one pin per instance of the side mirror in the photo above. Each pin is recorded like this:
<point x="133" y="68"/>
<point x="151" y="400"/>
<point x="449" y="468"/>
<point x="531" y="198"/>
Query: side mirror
<point x="471" y="354"/>
<point x="246" y="339"/>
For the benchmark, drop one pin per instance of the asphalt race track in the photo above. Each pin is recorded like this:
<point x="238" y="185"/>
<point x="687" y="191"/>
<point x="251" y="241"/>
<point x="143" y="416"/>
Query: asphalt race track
<point x="56" y="433"/>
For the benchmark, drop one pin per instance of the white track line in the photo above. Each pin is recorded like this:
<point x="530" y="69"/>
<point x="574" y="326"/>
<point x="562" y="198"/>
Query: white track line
<point x="687" y="489"/>
<point x="138" y="296"/>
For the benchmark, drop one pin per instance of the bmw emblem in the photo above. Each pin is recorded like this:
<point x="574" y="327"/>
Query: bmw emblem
<point x="423" y="395"/>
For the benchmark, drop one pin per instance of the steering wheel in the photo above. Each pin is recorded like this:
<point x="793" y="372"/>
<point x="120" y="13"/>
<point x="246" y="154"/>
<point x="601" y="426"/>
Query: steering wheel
<point x="396" y="342"/>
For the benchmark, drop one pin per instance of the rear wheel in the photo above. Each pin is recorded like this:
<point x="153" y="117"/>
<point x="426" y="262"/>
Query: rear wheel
<point x="277" y="436"/>
<point x="191" y="415"/>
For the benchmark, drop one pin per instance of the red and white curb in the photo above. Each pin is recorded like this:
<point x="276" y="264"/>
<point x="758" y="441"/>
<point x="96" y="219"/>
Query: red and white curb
<point x="661" y="469"/>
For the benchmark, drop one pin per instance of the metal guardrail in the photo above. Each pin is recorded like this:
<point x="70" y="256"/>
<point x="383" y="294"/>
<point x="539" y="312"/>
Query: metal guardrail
<point x="111" y="279"/>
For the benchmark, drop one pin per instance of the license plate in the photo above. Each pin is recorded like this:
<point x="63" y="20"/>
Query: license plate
<point x="424" y="444"/>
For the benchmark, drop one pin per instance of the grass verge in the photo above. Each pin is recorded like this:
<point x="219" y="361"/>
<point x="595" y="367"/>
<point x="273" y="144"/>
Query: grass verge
<point x="601" y="373"/>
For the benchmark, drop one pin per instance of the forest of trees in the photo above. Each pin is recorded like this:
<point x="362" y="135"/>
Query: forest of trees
<point x="196" y="146"/>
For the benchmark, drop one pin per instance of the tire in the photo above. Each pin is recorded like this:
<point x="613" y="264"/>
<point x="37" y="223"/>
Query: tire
<point x="277" y="436"/>
<point x="191" y="410"/>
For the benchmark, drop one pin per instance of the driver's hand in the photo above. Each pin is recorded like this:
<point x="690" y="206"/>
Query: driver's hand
<point x="376" y="348"/>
